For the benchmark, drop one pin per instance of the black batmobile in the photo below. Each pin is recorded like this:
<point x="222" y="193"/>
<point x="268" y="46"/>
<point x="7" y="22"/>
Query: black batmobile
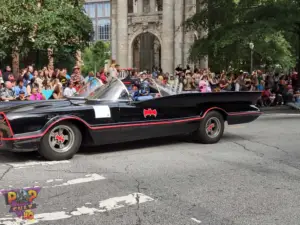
<point x="110" y="114"/>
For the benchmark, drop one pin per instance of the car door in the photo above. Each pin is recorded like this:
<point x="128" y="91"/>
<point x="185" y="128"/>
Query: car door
<point x="147" y="119"/>
<point x="104" y="122"/>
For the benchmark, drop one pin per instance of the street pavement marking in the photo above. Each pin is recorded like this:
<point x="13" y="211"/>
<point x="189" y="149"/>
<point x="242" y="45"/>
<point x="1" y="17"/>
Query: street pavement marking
<point x="53" y="180"/>
<point x="104" y="206"/>
<point x="195" y="220"/>
<point x="88" y="178"/>
<point x="32" y="164"/>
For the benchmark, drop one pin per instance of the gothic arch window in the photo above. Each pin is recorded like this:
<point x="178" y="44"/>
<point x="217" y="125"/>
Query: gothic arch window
<point x="198" y="6"/>
<point x="130" y="6"/>
<point x="159" y="5"/>
<point x="146" y="6"/>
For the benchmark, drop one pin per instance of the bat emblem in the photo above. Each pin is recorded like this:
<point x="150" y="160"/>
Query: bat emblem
<point x="150" y="112"/>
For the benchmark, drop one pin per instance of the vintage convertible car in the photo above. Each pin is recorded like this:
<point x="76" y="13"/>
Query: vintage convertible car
<point x="57" y="129"/>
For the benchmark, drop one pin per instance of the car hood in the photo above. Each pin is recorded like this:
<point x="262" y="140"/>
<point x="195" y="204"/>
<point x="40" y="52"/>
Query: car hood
<point x="22" y="106"/>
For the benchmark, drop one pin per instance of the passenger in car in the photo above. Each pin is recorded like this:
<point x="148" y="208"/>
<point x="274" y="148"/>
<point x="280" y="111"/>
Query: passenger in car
<point x="143" y="92"/>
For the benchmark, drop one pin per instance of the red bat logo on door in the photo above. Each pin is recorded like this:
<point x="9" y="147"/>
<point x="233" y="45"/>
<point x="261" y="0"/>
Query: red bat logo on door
<point x="150" y="112"/>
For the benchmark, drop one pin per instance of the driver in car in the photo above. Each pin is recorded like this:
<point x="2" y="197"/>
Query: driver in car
<point x="143" y="93"/>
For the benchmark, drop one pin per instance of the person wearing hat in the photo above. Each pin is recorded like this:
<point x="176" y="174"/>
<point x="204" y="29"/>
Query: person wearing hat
<point x="21" y="96"/>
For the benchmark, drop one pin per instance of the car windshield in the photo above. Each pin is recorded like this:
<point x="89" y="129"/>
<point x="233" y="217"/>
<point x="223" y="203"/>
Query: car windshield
<point x="91" y="84"/>
<point x="113" y="90"/>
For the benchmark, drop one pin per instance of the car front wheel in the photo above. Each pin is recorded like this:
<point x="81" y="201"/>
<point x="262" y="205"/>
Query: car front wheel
<point x="211" y="128"/>
<point x="61" y="142"/>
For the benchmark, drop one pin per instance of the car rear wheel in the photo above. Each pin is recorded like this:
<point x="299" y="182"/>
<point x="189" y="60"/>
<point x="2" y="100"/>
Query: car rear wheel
<point x="61" y="142"/>
<point x="211" y="128"/>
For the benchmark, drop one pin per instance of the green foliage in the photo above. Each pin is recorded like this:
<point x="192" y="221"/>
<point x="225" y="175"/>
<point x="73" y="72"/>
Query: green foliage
<point x="233" y="24"/>
<point x="94" y="57"/>
<point x="57" y="24"/>
<point x="17" y="19"/>
<point x="62" y="24"/>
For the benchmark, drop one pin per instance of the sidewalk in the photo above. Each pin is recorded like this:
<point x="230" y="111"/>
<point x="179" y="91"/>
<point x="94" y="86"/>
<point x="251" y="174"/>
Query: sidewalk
<point x="282" y="109"/>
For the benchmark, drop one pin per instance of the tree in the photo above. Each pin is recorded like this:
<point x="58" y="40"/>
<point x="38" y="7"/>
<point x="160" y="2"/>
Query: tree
<point x="63" y="24"/>
<point x="52" y="25"/>
<point x="232" y="25"/>
<point x="94" y="57"/>
<point x="17" y="19"/>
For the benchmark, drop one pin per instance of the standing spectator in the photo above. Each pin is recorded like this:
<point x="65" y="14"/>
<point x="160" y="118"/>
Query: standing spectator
<point x="223" y="83"/>
<point x="40" y="79"/>
<point x="294" y="80"/>
<point x="35" y="74"/>
<point x="113" y="71"/>
<point x="6" y="73"/>
<point x="47" y="74"/>
<point x="76" y="76"/>
<point x="63" y="77"/>
<point x="30" y="71"/>
<point x="26" y="79"/>
<point x="31" y="85"/>
<point x="103" y="78"/>
<point x="8" y="94"/>
<point x="65" y="71"/>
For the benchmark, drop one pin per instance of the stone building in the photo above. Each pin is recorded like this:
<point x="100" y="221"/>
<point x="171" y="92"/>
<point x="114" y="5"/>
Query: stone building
<point x="147" y="33"/>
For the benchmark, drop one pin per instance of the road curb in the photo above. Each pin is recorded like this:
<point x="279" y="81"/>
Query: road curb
<point x="279" y="115"/>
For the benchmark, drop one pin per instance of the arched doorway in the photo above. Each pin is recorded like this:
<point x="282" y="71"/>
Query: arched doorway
<point x="146" y="52"/>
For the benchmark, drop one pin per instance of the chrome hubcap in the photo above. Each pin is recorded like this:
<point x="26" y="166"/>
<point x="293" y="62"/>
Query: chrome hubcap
<point x="213" y="127"/>
<point x="61" y="138"/>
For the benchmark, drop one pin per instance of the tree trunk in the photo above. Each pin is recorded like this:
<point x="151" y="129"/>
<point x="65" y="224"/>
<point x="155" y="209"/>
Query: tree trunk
<point x="78" y="59"/>
<point x="50" y="59"/>
<point x="298" y="65"/>
<point x="15" y="62"/>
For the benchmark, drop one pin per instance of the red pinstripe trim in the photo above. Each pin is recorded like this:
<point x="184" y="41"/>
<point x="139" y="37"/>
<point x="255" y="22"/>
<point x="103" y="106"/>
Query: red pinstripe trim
<point x="8" y="124"/>
<point x="119" y="125"/>
<point x="244" y="113"/>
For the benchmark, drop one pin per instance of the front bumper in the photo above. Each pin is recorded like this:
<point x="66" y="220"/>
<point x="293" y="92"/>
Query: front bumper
<point x="25" y="145"/>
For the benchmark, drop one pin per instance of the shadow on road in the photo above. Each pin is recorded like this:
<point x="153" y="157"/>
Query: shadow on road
<point x="10" y="157"/>
<point x="157" y="142"/>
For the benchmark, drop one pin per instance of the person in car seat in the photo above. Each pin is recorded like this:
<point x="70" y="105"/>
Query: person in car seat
<point x="143" y="92"/>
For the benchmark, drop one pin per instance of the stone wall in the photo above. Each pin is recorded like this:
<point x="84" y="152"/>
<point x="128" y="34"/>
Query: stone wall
<point x="166" y="26"/>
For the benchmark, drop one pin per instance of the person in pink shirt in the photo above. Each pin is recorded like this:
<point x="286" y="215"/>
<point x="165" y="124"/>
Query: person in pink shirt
<point x="35" y="95"/>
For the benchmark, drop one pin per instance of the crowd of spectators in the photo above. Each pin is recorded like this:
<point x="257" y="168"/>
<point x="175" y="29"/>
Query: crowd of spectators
<point x="276" y="88"/>
<point x="32" y="84"/>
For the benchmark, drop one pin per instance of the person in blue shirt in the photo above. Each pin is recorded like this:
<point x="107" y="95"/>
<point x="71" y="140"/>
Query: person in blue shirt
<point x="26" y="79"/>
<point x="30" y="71"/>
<point x="20" y="87"/>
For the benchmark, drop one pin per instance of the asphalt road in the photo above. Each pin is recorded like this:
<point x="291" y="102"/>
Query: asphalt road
<point x="250" y="177"/>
